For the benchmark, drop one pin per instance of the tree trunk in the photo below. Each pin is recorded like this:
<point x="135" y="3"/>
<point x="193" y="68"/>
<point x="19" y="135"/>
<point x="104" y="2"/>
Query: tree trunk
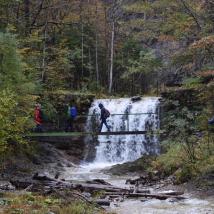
<point x="82" y="51"/>
<point x="44" y="53"/>
<point x="112" y="58"/>
<point x="27" y="15"/>
<point x="96" y="47"/>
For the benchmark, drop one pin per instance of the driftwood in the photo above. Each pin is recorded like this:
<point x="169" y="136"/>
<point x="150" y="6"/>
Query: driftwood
<point x="98" y="181"/>
<point x="44" y="184"/>
<point x="143" y="191"/>
<point x="157" y="196"/>
<point x="173" y="193"/>
<point x="138" y="195"/>
<point x="99" y="187"/>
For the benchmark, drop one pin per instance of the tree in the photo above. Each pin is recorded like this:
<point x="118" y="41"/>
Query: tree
<point x="15" y="90"/>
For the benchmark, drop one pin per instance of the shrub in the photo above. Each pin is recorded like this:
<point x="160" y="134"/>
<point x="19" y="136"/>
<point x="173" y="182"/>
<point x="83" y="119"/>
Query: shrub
<point x="169" y="162"/>
<point x="11" y="123"/>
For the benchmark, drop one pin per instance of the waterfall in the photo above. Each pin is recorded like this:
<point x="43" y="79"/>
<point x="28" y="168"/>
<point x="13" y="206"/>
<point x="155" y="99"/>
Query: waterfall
<point x="125" y="116"/>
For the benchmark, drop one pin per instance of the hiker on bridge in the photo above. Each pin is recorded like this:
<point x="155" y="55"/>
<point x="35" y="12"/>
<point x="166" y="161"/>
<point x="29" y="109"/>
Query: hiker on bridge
<point x="72" y="114"/>
<point x="104" y="115"/>
<point x="38" y="118"/>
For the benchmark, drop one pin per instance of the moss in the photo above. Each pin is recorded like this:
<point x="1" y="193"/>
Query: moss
<point x="138" y="166"/>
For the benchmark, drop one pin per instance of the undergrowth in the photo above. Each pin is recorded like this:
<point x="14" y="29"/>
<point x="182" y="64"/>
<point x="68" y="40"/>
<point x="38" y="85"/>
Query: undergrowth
<point x="176" y="161"/>
<point x="29" y="203"/>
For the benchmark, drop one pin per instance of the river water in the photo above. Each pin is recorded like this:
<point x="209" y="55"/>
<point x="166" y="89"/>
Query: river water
<point x="110" y="150"/>
<point x="191" y="205"/>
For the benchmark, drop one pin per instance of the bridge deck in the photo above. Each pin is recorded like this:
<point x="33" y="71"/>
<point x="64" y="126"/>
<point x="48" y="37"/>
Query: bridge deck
<point x="74" y="134"/>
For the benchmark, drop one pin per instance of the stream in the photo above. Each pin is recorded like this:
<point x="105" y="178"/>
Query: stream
<point x="191" y="205"/>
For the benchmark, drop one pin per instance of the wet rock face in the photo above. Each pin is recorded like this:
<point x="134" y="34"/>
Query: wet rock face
<point x="70" y="149"/>
<point x="49" y="158"/>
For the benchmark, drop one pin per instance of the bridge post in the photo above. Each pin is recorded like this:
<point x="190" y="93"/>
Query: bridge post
<point x="127" y="122"/>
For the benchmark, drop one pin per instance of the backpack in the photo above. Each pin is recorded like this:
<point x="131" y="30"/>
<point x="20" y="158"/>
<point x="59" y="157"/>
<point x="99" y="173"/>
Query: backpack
<point x="107" y="113"/>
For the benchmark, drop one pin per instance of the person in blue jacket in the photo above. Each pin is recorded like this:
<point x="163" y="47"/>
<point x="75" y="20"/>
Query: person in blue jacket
<point x="211" y="121"/>
<point x="72" y="114"/>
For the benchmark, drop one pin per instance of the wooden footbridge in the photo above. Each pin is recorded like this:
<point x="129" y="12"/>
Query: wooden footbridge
<point x="75" y="134"/>
<point x="95" y="133"/>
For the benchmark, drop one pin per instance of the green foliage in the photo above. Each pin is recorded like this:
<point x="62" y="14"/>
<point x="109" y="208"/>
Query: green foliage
<point x="77" y="208"/>
<point x="12" y="124"/>
<point x="192" y="82"/>
<point x="146" y="63"/>
<point x="15" y="100"/>
<point x="175" y="161"/>
<point x="33" y="203"/>
<point x="10" y="64"/>
<point x="171" y="161"/>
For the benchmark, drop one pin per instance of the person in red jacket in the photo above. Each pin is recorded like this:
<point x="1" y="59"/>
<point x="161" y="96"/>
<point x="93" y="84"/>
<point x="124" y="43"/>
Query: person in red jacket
<point x="38" y="118"/>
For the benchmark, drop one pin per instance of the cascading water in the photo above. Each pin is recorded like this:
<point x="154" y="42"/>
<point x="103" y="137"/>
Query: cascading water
<point x="125" y="116"/>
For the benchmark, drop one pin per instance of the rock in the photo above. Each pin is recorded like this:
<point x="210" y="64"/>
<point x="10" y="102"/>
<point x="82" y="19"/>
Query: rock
<point x="36" y="160"/>
<point x="102" y="202"/>
<point x="134" y="168"/>
<point x="60" y="164"/>
<point x="68" y="165"/>
<point x="57" y="175"/>
<point x="136" y="98"/>
<point x="6" y="186"/>
<point x="86" y="194"/>
<point x="42" y="177"/>
<point x="172" y="200"/>
<point x="21" y="183"/>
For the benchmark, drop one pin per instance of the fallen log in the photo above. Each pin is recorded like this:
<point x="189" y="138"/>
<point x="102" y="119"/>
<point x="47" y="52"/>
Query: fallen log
<point x="99" y="187"/>
<point x="157" y="196"/>
<point x="173" y="193"/>
<point x="44" y="184"/>
<point x="98" y="181"/>
<point x="143" y="191"/>
<point x="42" y="177"/>
<point x="138" y="195"/>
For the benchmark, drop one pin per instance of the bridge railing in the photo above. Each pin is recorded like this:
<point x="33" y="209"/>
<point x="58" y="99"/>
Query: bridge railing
<point x="126" y="115"/>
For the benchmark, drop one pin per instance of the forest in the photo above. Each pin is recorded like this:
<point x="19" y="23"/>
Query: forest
<point x="111" y="49"/>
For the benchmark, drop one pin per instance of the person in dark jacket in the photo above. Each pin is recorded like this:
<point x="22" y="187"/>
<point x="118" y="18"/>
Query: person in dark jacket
<point x="38" y="118"/>
<point x="104" y="115"/>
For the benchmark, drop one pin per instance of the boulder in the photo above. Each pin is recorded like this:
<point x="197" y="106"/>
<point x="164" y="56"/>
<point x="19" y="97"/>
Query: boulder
<point x="6" y="186"/>
<point x="136" y="98"/>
